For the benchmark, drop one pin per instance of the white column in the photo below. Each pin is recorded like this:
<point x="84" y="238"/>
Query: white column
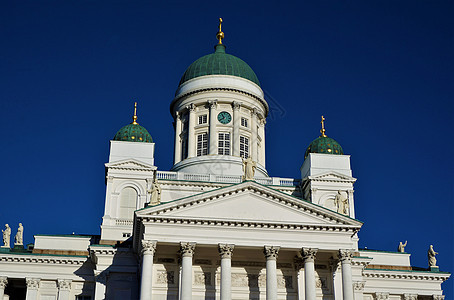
<point x="299" y="278"/>
<point x="177" y="157"/>
<point x="100" y="284"/>
<point x="438" y="297"/>
<point x="262" y="144"/>
<point x="191" y="126"/>
<point x="236" y="128"/>
<point x="3" y="283"/>
<point x="226" y="251"/>
<point x="213" y="148"/>
<point x="187" y="252"/>
<point x="32" y="288"/>
<point x="254" y="134"/>
<point x="271" y="253"/>
<point x="309" y="272"/>
<point x="146" y="281"/>
<point x="345" y="256"/>
<point x="64" y="289"/>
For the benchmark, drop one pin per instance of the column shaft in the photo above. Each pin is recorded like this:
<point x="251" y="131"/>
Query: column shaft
<point x="309" y="272"/>
<point x="226" y="251"/>
<point x="191" y="136"/>
<point x="146" y="281"/>
<point x="236" y="128"/>
<point x="213" y="133"/>
<point x="254" y="138"/>
<point x="271" y="253"/>
<point x="347" y="282"/>
<point x="177" y="157"/>
<point x="187" y="251"/>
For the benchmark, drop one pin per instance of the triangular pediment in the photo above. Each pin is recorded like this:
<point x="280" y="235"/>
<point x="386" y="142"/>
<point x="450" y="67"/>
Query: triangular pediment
<point x="248" y="202"/>
<point x="332" y="176"/>
<point x="130" y="164"/>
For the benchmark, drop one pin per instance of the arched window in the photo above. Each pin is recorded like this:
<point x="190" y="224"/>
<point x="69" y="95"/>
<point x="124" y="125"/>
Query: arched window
<point x="128" y="200"/>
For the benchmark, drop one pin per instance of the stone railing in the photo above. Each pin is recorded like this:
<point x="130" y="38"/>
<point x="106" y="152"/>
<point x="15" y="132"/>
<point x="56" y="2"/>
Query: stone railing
<point x="167" y="175"/>
<point x="123" y="222"/>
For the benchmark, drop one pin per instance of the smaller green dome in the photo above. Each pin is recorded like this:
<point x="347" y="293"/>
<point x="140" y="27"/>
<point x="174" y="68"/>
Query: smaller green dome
<point x="324" y="145"/>
<point x="133" y="133"/>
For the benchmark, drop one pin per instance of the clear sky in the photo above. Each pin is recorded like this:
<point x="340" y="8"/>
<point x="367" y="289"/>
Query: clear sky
<point x="381" y="72"/>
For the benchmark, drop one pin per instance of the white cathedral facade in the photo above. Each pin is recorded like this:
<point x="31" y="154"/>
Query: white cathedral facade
<point x="217" y="225"/>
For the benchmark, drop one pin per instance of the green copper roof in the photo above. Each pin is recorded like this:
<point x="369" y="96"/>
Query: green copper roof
<point x="324" y="145"/>
<point x="219" y="63"/>
<point x="133" y="133"/>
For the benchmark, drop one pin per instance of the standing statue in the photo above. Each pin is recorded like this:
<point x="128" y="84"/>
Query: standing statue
<point x="431" y="256"/>
<point x="6" y="236"/>
<point x="155" y="191"/>
<point x="19" y="238"/>
<point x="341" y="203"/>
<point x="249" y="168"/>
<point x="401" y="247"/>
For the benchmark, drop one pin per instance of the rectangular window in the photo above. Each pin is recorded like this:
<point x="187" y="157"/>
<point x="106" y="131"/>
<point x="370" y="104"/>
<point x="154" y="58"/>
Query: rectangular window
<point x="203" y="119"/>
<point x="224" y="143"/>
<point x="244" y="147"/>
<point x="244" y="122"/>
<point x="202" y="144"/>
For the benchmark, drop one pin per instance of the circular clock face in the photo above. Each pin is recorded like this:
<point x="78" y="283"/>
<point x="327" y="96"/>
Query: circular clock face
<point x="224" y="117"/>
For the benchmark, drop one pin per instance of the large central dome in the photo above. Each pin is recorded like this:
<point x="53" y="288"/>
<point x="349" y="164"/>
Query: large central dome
<point x="219" y="63"/>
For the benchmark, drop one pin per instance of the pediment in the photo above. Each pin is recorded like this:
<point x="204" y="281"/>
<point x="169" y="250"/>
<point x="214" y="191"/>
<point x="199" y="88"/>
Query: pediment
<point x="332" y="176"/>
<point x="248" y="202"/>
<point x="130" y="164"/>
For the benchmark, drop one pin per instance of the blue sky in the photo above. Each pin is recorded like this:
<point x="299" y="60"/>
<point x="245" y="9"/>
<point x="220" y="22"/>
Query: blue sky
<point x="381" y="72"/>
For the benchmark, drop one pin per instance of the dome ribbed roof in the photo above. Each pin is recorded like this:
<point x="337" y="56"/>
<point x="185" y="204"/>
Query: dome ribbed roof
<point x="324" y="145"/>
<point x="219" y="63"/>
<point x="133" y="133"/>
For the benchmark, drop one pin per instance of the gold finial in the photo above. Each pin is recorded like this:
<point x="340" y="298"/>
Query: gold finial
<point x="134" y="118"/>
<point x="322" y="131"/>
<point x="220" y="34"/>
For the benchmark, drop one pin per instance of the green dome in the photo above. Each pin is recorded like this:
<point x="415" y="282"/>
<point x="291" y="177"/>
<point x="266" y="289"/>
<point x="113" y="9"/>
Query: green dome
<point x="133" y="133"/>
<point x="219" y="63"/>
<point x="324" y="145"/>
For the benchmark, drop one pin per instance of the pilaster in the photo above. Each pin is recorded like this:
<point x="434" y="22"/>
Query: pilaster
<point x="64" y="289"/>
<point x="191" y="126"/>
<point x="3" y="284"/>
<point x="32" y="288"/>
<point x="213" y="141"/>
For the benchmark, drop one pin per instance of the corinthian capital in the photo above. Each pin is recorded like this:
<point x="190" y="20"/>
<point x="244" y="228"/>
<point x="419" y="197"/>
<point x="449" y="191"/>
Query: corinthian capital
<point x="3" y="282"/>
<point x="410" y="297"/>
<point x="345" y="255"/>
<point x="190" y="107"/>
<point x="64" y="284"/>
<point x="225" y="250"/>
<point x="187" y="249"/>
<point x="212" y="103"/>
<point x="32" y="283"/>
<point x="308" y="254"/>
<point x="382" y="296"/>
<point x="148" y="247"/>
<point x="271" y="252"/>
<point x="236" y="105"/>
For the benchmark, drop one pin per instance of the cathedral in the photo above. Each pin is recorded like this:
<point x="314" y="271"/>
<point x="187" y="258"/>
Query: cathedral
<point x="217" y="225"/>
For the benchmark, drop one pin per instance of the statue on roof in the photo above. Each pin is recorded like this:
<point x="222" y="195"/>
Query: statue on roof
<point x="341" y="202"/>
<point x="19" y="238"/>
<point x="401" y="247"/>
<point x="431" y="256"/>
<point x="249" y="167"/>
<point x="155" y="191"/>
<point x="6" y="236"/>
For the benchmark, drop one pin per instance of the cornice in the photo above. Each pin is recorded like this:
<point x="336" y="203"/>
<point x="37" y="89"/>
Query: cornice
<point x="43" y="259"/>
<point x="248" y="224"/>
<point x="408" y="275"/>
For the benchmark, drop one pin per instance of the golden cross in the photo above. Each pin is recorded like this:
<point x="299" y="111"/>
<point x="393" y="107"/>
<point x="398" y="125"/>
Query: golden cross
<point x="220" y="34"/>
<point x="134" y="118"/>
<point x="322" y="131"/>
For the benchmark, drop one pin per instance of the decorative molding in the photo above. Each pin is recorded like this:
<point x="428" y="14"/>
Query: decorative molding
<point x="44" y="260"/>
<point x="410" y="297"/>
<point x="285" y="281"/>
<point x="166" y="277"/>
<point x="212" y="103"/>
<point x="32" y="283"/>
<point x="345" y="256"/>
<point x="202" y="278"/>
<point x="236" y="105"/>
<point x="191" y="107"/>
<point x="187" y="249"/>
<point x="271" y="252"/>
<point x="308" y="254"/>
<point x="226" y="250"/>
<point x="438" y="297"/>
<point x="404" y="275"/>
<point x="148" y="247"/>
<point x="3" y="282"/>
<point x="359" y="286"/>
<point x="64" y="284"/>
